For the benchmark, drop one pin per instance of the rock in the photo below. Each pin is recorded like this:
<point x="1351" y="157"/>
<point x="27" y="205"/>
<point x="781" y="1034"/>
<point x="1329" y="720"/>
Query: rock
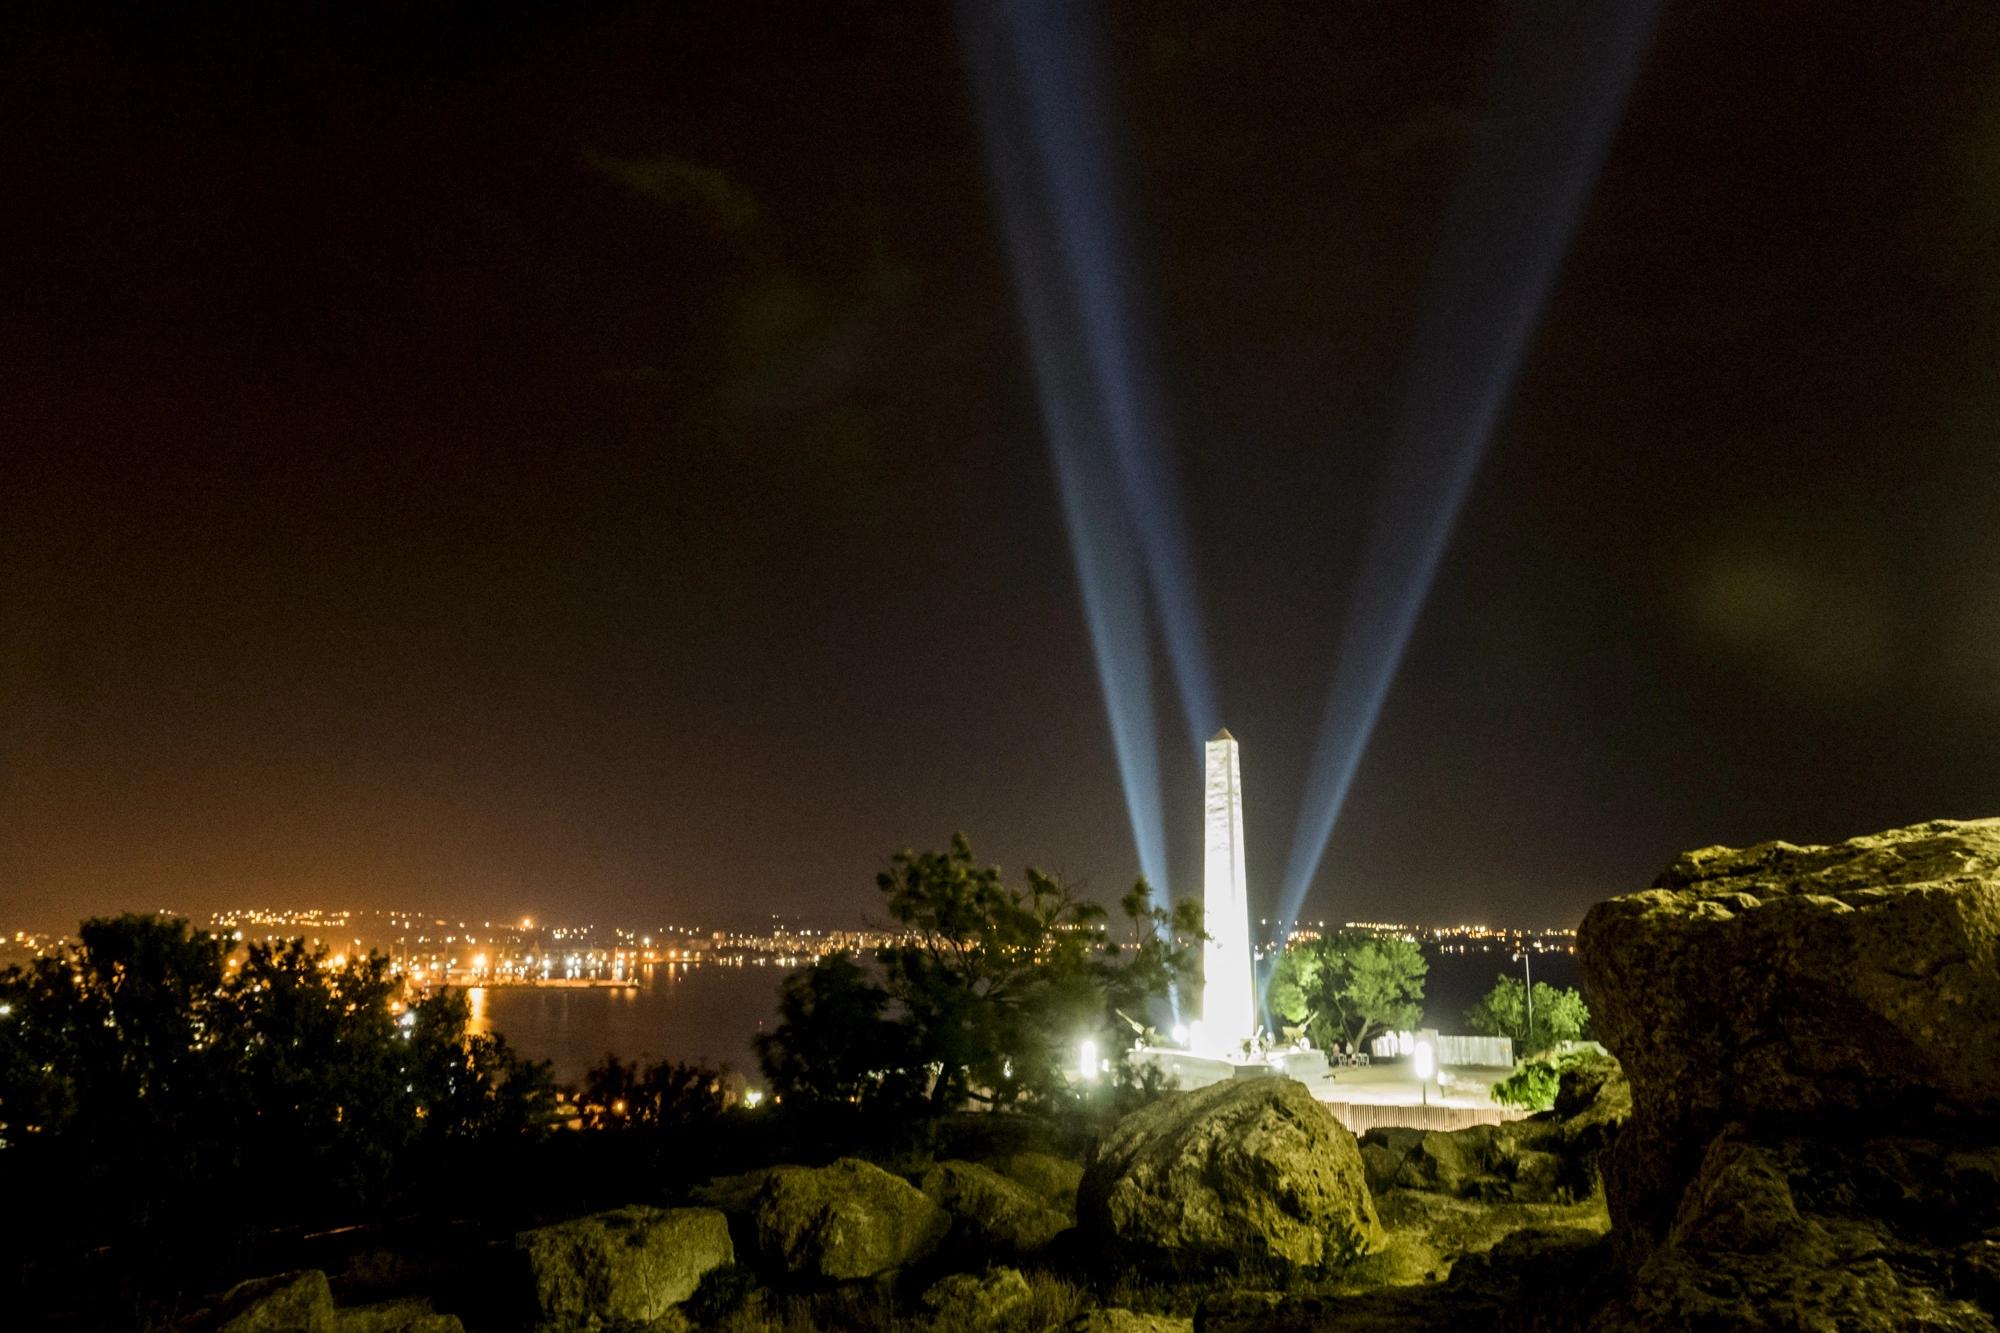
<point x="1533" y="1281"/>
<point x="1237" y="1307"/>
<point x="994" y="1213"/>
<point x="1453" y="1163"/>
<point x="1536" y="1177"/>
<point x="1248" y="1174"/>
<point x="994" y="1302"/>
<point x="1049" y="1178"/>
<point x="1429" y="1233"/>
<point x="298" y="1302"/>
<point x="630" y="1265"/>
<point x="1114" y="1320"/>
<point x="1383" y="1152"/>
<point x="1848" y="983"/>
<point x="1792" y="1233"/>
<point x="1815" y="1092"/>
<point x="735" y="1195"/>
<point x="404" y="1316"/>
<point x="845" y="1221"/>
<point x="1591" y="1093"/>
<point x="1522" y="1161"/>
<point x="1593" y="1101"/>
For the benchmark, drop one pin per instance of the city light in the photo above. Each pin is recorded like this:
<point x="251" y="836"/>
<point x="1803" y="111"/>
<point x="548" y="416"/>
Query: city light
<point x="753" y="1098"/>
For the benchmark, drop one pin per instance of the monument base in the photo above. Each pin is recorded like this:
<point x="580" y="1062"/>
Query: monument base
<point x="1189" y="1071"/>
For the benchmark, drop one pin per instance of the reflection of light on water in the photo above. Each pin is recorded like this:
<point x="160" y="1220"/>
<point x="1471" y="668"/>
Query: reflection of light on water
<point x="476" y="997"/>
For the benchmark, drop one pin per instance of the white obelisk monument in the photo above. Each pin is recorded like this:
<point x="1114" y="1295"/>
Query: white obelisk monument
<point x="1228" y="999"/>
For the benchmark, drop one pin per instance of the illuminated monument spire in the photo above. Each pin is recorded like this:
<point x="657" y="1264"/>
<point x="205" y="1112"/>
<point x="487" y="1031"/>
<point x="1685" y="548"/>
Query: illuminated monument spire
<point x="1228" y="1001"/>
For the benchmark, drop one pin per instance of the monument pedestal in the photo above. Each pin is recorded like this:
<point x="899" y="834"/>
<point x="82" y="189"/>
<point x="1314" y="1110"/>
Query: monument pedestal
<point x="1190" y="1070"/>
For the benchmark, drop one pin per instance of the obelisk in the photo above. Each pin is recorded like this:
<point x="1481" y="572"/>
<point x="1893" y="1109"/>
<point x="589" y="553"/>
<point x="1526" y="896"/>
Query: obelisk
<point x="1228" y="1001"/>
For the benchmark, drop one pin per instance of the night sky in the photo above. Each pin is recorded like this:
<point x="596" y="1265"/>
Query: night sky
<point x="498" y="459"/>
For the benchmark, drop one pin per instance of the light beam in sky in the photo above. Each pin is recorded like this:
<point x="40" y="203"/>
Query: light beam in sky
<point x="1037" y="80"/>
<point x="1556" y="95"/>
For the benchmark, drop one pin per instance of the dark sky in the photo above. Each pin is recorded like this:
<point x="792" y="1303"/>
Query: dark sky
<point x="499" y="459"/>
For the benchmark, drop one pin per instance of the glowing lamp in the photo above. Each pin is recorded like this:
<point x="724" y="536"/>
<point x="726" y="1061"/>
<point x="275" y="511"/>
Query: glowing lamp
<point x="1180" y="1034"/>
<point x="1086" y="1060"/>
<point x="1425" y="1060"/>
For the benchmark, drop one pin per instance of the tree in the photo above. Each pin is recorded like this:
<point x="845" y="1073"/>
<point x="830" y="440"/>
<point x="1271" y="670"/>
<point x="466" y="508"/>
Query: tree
<point x="989" y="998"/>
<point x="1560" y="1015"/>
<point x="151" y="1091"/>
<point x="834" y="1043"/>
<point x="667" y="1094"/>
<point x="1350" y="986"/>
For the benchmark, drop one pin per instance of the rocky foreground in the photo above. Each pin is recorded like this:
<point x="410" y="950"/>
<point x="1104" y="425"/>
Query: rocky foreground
<point x="1805" y="1135"/>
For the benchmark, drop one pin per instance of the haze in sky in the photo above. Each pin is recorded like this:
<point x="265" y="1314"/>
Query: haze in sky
<point x="588" y="463"/>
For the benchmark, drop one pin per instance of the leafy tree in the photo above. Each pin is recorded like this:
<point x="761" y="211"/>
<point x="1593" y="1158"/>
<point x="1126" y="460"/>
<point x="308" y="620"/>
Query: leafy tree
<point x="834" y="1043"/>
<point x="471" y="1086"/>
<point x="116" y="1063"/>
<point x="1350" y="986"/>
<point x="1532" y="1086"/>
<point x="987" y="1001"/>
<point x="1535" y="1082"/>
<point x="1559" y="1015"/>
<point x="160" y="1090"/>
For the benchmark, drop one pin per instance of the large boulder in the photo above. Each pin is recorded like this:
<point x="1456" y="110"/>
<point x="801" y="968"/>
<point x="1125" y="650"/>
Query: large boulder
<point x="1856" y="984"/>
<point x="845" y="1221"/>
<point x="1248" y="1174"/>
<point x="298" y="1302"/>
<point x="629" y="1265"/>
<point x="1799" y="1233"/>
<point x="1815" y="1134"/>
<point x="993" y="1213"/>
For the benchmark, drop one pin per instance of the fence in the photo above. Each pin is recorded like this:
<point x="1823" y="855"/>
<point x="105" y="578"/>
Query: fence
<point x="1481" y="1052"/>
<point x="1360" y="1117"/>
<point x="1477" y="1052"/>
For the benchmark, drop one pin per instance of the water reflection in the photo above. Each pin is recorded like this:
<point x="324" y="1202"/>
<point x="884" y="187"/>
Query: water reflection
<point x="689" y="1013"/>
